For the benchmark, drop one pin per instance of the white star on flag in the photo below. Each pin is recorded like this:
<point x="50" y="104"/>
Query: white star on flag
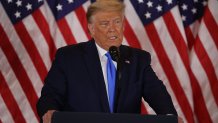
<point x="194" y="10"/>
<point x="150" y="4"/>
<point x="169" y="2"/>
<point x="29" y="6"/>
<point x="70" y="1"/>
<point x="204" y="3"/>
<point x="184" y="7"/>
<point x="59" y="7"/>
<point x="10" y="1"/>
<point x="183" y="18"/>
<point x="141" y="1"/>
<point x="19" y="3"/>
<point x="148" y="15"/>
<point x="17" y="14"/>
<point x="159" y="8"/>
<point x="195" y="1"/>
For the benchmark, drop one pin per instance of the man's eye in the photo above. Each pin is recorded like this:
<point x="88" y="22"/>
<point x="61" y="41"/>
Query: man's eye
<point x="104" y="24"/>
<point x="118" y="21"/>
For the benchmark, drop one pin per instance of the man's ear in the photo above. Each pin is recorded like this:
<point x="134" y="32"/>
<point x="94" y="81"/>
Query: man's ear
<point x="91" y="28"/>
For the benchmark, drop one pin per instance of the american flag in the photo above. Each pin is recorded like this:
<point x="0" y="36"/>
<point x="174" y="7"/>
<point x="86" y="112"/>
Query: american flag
<point x="181" y="35"/>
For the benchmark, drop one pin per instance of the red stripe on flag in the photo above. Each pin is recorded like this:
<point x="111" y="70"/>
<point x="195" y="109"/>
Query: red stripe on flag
<point x="130" y="36"/>
<point x="211" y="25"/>
<point x="18" y="70"/>
<point x="81" y="14"/>
<point x="143" y="109"/>
<point x="31" y="49"/>
<point x="44" y="28"/>
<point x="10" y="101"/>
<point x="133" y="42"/>
<point x="190" y="38"/>
<point x="182" y="49"/>
<point x="66" y="32"/>
<point x="199" y="109"/>
<point x="208" y="67"/>
<point x="170" y="72"/>
<point x="176" y="37"/>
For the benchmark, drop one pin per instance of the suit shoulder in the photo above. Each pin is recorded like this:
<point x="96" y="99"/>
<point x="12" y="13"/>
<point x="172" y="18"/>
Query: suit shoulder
<point x="73" y="47"/>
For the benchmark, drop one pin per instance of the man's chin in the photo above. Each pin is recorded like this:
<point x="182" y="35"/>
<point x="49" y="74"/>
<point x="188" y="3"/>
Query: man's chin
<point x="115" y="43"/>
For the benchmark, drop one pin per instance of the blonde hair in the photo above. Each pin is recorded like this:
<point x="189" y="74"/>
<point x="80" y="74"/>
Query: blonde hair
<point x="104" y="5"/>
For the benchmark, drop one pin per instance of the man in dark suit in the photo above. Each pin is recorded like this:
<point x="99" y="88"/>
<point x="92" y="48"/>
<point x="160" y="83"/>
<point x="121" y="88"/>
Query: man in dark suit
<point x="77" y="80"/>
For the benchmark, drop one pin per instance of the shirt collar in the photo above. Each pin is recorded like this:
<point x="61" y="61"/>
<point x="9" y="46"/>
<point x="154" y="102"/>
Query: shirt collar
<point x="101" y="51"/>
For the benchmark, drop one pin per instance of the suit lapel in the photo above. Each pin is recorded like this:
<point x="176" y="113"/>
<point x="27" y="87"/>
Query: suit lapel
<point x="94" y="68"/>
<point x="125" y="72"/>
<point x="93" y="65"/>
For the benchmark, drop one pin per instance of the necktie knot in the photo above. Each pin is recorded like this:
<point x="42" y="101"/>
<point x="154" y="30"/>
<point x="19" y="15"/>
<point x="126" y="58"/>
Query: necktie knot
<point x="108" y="55"/>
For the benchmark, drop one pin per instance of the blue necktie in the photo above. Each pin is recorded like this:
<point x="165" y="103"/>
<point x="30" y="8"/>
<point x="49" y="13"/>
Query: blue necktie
<point x="111" y="76"/>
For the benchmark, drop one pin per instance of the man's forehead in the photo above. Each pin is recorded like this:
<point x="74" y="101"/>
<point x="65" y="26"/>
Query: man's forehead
<point x="110" y="18"/>
<point x="106" y="16"/>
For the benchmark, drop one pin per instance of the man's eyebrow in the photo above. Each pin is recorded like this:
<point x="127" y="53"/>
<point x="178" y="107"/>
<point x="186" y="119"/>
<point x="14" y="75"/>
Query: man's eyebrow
<point x="103" y="21"/>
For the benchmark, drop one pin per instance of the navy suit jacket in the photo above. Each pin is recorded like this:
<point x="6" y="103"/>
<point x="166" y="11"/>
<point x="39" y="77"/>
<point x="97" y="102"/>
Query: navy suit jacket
<point x="75" y="82"/>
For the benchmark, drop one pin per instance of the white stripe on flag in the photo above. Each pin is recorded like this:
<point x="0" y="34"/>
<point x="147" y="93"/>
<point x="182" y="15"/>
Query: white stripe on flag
<point x="16" y="90"/>
<point x="175" y="58"/>
<point x="209" y="45"/>
<point x="136" y="25"/>
<point x="141" y="34"/>
<point x="145" y="43"/>
<point x="76" y="28"/>
<point x="148" y="108"/>
<point x="212" y="4"/>
<point x="5" y="115"/>
<point x="38" y="40"/>
<point x="125" y="41"/>
<point x="205" y="86"/>
<point x="162" y="76"/>
<point x="21" y="52"/>
<point x="55" y="32"/>
<point x="86" y="5"/>
<point x="194" y="28"/>
<point x="177" y="17"/>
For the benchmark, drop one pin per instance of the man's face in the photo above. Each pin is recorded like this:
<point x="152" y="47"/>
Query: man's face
<point x="107" y="29"/>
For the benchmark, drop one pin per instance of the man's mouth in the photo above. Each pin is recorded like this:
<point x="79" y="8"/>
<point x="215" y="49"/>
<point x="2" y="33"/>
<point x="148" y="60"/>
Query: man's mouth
<point x="113" y="37"/>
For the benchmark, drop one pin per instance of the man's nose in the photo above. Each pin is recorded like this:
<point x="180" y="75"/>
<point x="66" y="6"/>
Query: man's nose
<point x="112" y="27"/>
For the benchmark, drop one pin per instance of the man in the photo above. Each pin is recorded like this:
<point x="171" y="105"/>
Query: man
<point x="78" y="80"/>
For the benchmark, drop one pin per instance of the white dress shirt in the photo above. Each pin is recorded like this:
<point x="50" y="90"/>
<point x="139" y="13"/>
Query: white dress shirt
<point x="103" y="60"/>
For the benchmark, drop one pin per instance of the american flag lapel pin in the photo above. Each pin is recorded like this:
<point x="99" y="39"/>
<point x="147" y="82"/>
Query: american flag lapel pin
<point x="127" y="61"/>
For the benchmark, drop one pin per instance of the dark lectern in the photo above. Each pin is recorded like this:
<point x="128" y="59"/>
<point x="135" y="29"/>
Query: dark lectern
<point x="71" y="117"/>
